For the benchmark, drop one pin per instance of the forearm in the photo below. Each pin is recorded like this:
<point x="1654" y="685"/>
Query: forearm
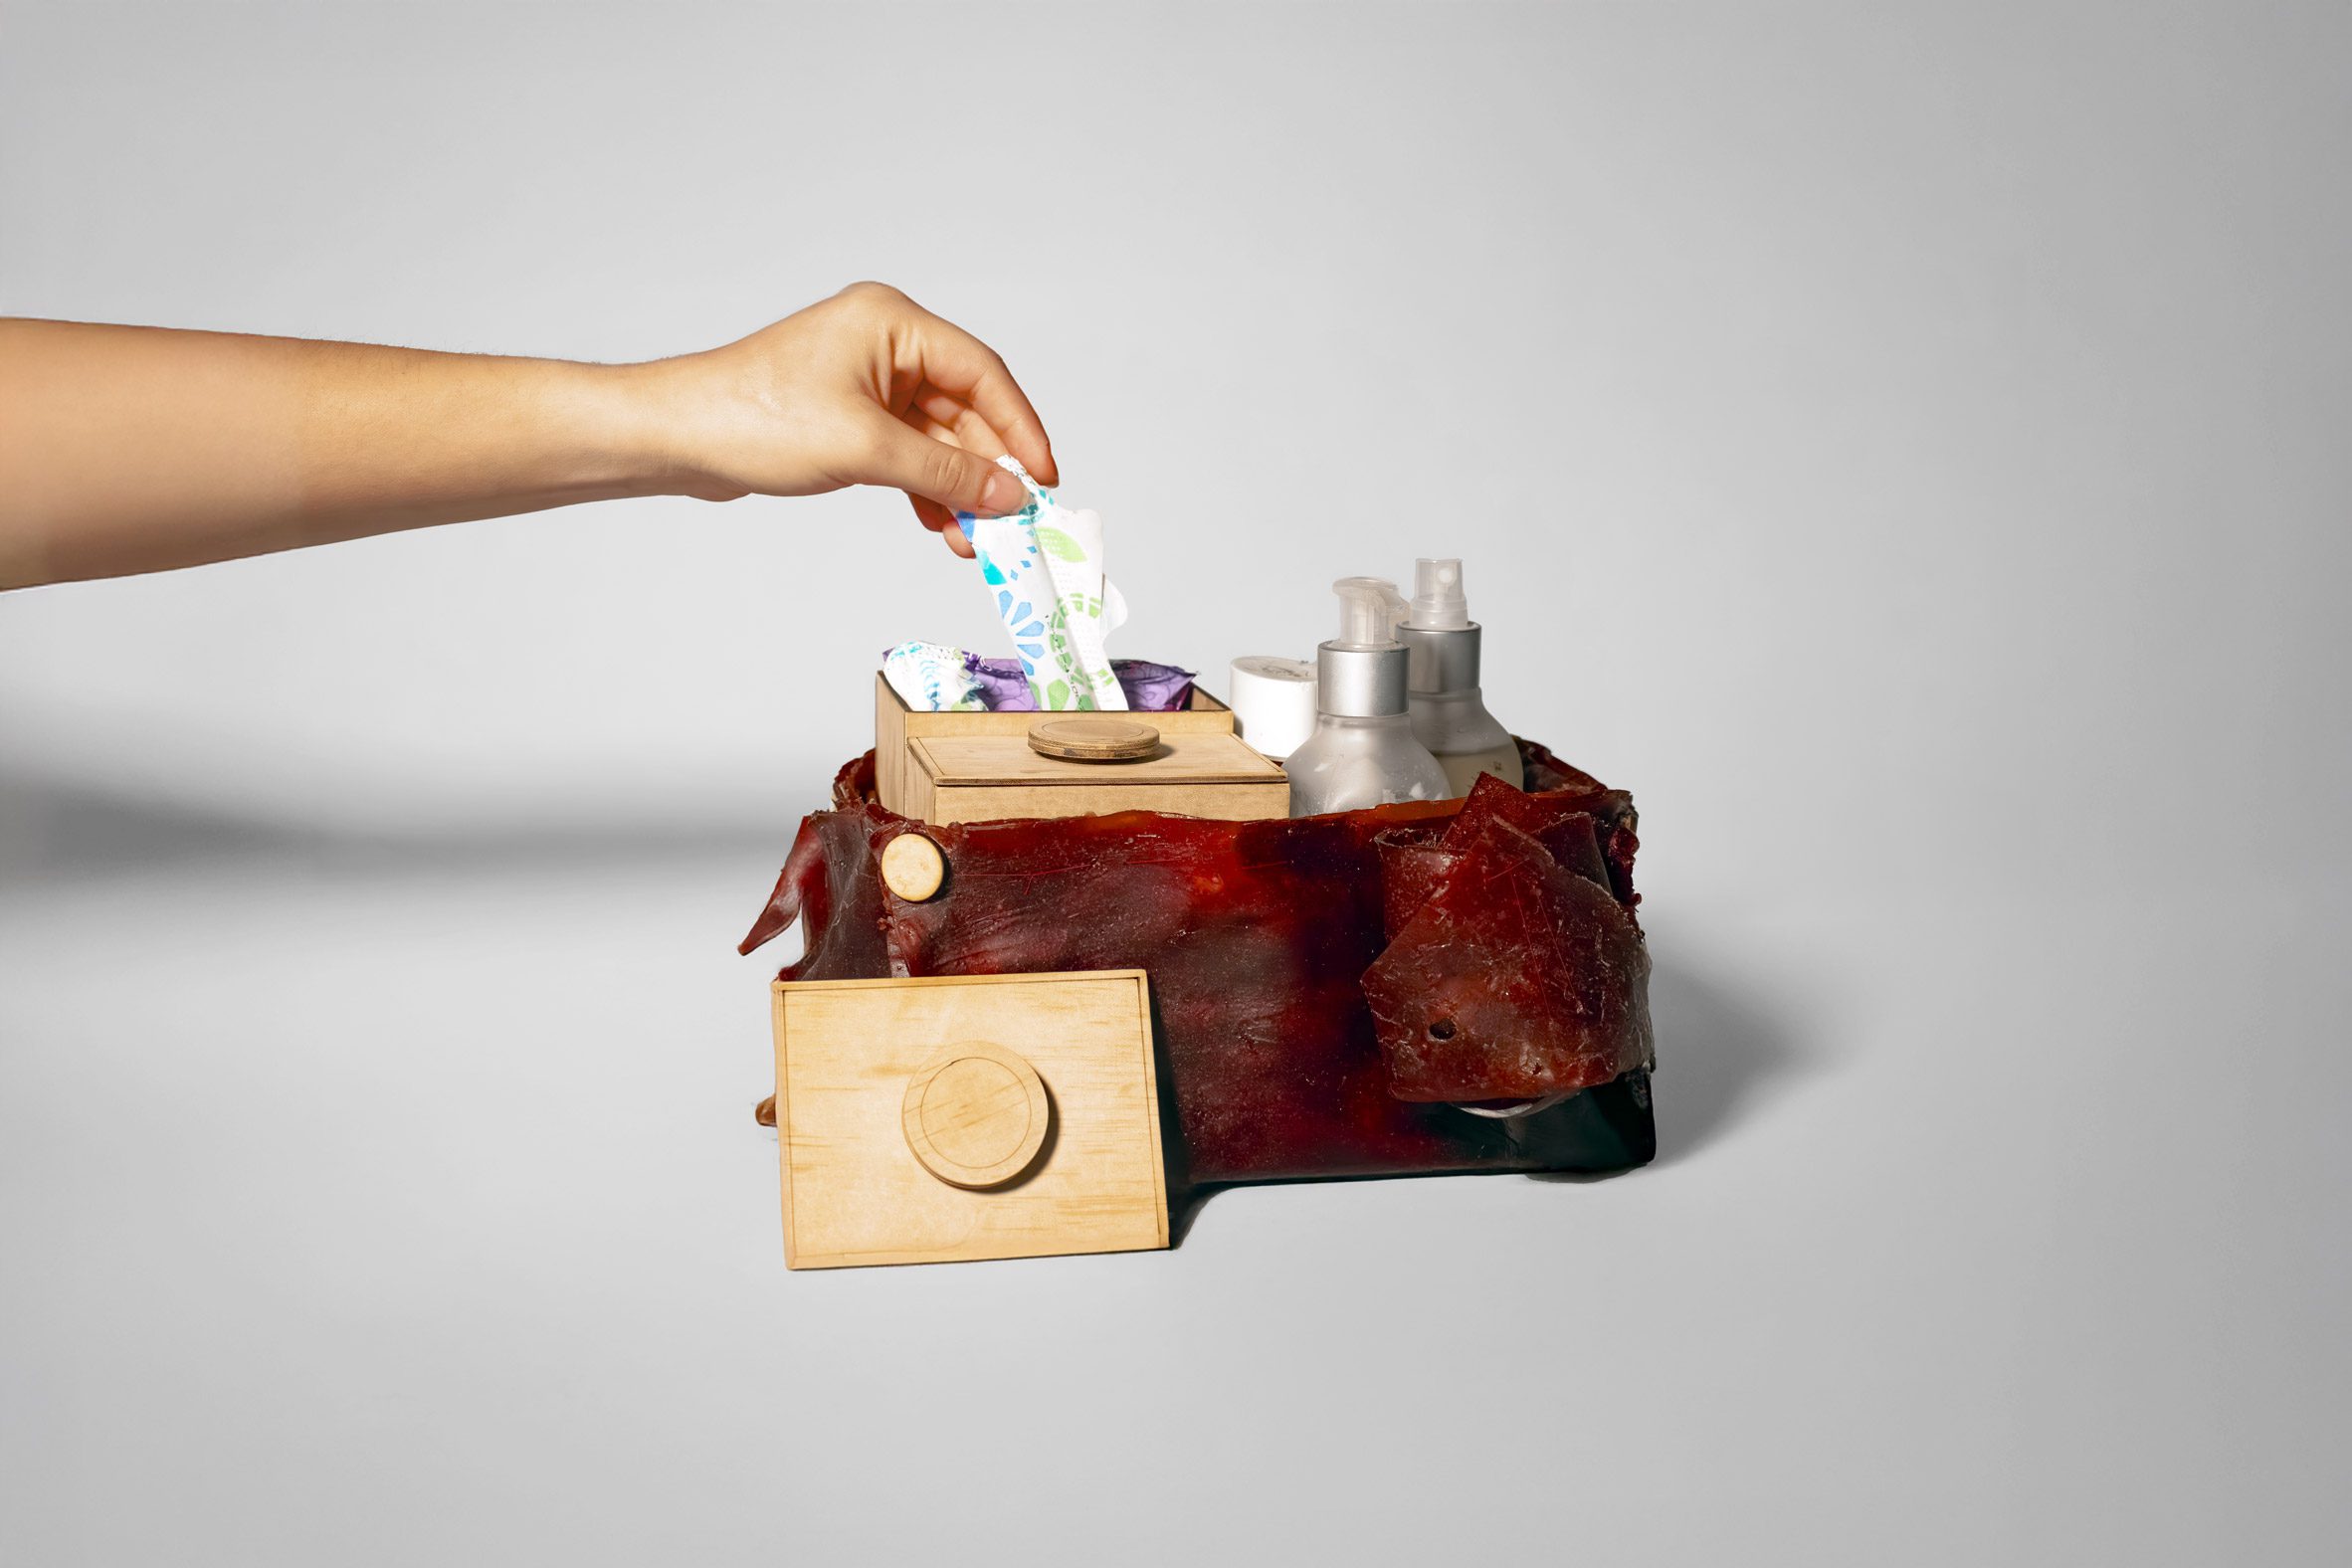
<point x="135" y="448"/>
<point x="129" y="449"/>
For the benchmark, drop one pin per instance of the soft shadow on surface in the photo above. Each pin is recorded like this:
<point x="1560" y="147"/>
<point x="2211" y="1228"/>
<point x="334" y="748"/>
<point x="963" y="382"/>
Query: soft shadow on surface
<point x="1724" y="1054"/>
<point x="60" y="832"/>
<point x="1184" y="1206"/>
<point x="1721" y="1051"/>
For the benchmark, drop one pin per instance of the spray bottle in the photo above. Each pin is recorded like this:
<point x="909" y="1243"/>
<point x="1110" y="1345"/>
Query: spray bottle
<point x="1449" y="715"/>
<point x="1362" y="752"/>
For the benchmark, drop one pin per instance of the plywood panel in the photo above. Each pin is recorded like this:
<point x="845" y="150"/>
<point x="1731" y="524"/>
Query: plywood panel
<point x="995" y="802"/>
<point x="1008" y="759"/>
<point x="855" y="1192"/>
<point x="981" y="778"/>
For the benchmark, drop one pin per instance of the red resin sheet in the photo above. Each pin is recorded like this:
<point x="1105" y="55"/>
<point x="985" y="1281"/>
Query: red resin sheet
<point x="1328" y="992"/>
<point x="1515" y="977"/>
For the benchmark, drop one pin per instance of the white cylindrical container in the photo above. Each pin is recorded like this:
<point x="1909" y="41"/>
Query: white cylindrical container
<point x="1274" y="702"/>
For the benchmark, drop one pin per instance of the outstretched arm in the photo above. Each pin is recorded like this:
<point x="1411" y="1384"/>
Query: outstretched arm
<point x="135" y="448"/>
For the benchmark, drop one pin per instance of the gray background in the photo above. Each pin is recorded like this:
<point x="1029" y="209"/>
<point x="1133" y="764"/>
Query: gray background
<point x="1904" y="447"/>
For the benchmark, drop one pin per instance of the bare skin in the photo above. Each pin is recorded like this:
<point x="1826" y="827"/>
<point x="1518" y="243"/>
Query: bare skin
<point x="127" y="448"/>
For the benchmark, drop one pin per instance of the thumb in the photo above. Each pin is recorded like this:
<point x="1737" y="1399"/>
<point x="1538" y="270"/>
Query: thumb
<point x="958" y="479"/>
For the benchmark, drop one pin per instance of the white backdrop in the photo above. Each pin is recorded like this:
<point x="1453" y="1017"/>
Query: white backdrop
<point x="1907" y="449"/>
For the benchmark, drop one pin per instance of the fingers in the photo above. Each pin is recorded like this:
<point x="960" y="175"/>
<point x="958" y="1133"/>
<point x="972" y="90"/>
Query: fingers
<point x="968" y="370"/>
<point x="934" y="470"/>
<point x="975" y="437"/>
<point x="972" y="434"/>
<point x="944" y="418"/>
<point x="942" y="522"/>
<point x="964" y="411"/>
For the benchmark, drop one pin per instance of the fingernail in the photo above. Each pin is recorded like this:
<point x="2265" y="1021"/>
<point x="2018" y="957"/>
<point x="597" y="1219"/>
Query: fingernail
<point x="1004" y="494"/>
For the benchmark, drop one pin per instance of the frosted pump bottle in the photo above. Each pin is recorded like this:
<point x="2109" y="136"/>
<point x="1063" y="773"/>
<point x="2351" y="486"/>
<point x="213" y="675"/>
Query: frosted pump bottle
<point x="1449" y="715"/>
<point x="1362" y="752"/>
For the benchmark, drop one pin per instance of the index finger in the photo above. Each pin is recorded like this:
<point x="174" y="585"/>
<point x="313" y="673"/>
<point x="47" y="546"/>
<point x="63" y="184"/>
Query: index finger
<point x="960" y="364"/>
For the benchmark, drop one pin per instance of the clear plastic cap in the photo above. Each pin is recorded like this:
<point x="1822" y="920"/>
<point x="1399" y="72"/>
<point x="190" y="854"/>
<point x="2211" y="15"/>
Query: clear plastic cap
<point x="1369" y="609"/>
<point x="1439" y="604"/>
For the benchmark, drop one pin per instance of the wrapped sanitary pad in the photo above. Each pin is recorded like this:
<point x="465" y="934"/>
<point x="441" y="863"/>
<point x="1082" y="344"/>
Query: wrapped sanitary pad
<point x="1043" y="566"/>
<point x="1149" y="687"/>
<point x="933" y="680"/>
<point x="1154" y="689"/>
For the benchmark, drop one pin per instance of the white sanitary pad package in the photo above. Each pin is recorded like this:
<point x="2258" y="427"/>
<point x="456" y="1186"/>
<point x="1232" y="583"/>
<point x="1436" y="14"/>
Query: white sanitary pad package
<point x="1043" y="566"/>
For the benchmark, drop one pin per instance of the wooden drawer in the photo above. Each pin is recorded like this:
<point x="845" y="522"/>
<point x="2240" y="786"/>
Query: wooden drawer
<point x="980" y="778"/>
<point x="896" y="724"/>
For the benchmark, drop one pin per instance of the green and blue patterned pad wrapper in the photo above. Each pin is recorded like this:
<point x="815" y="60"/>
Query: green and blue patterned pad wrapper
<point x="1042" y="565"/>
<point x="933" y="680"/>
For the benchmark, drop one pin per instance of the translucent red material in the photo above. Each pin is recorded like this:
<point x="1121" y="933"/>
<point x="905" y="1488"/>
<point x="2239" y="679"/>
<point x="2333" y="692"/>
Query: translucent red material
<point x="1512" y="970"/>
<point x="1330" y="992"/>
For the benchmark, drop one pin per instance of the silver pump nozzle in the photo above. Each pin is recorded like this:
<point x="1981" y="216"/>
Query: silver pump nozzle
<point x="1443" y="638"/>
<point x="1361" y="672"/>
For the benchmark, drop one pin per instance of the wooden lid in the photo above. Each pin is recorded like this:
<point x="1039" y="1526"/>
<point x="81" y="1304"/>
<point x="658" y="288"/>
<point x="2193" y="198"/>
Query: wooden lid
<point x="1095" y="739"/>
<point x="958" y="1116"/>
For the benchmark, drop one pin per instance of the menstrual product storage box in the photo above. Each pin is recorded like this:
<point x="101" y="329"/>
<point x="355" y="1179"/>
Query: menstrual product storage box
<point x="1434" y="986"/>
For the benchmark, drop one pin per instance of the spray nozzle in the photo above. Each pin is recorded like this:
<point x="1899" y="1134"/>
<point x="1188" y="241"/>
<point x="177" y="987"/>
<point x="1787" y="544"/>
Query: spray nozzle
<point x="1439" y="604"/>
<point x="1369" y="609"/>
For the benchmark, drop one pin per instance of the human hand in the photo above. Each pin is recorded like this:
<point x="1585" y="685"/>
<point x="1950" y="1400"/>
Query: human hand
<point x="140" y="449"/>
<point x="865" y="388"/>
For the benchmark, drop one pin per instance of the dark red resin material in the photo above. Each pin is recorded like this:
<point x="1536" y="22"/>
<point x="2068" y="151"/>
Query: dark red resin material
<point x="1512" y="970"/>
<point x="1297" y="1039"/>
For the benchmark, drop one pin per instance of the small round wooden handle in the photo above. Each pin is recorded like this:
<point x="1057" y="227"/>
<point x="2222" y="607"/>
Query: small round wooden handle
<point x="912" y="867"/>
<point x="976" y="1114"/>
<point x="1092" y="739"/>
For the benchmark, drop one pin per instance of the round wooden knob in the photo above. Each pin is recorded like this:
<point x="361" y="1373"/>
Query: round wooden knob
<point x="912" y="867"/>
<point x="1092" y="739"/>
<point x="976" y="1116"/>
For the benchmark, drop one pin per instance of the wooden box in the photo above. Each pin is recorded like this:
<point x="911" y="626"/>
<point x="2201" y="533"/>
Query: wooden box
<point x="959" y="1117"/>
<point x="978" y="778"/>
<point x="894" y="724"/>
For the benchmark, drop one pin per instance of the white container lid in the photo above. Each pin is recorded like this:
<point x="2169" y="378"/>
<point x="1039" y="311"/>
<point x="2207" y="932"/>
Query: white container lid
<point x="1274" y="702"/>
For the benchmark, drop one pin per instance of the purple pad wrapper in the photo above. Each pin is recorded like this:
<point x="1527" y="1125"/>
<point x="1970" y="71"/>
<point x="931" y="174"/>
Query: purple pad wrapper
<point x="1150" y="687"/>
